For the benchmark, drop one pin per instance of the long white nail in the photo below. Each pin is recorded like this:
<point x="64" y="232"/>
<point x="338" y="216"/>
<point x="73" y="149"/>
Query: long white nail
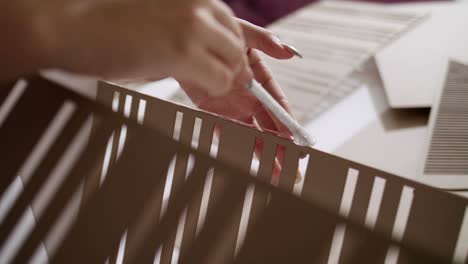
<point x="293" y="50"/>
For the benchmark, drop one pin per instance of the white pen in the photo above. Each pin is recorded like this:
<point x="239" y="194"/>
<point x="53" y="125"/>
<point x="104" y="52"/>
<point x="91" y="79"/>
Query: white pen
<point x="301" y="136"/>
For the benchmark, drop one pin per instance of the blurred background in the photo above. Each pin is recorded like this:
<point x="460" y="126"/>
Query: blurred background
<point x="264" y="12"/>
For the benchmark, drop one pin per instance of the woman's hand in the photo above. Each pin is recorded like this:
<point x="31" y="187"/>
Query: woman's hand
<point x="240" y="104"/>
<point x="195" y="41"/>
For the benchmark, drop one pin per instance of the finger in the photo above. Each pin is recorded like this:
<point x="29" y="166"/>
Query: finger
<point x="207" y="72"/>
<point x="269" y="122"/>
<point x="224" y="44"/>
<point x="226" y="17"/>
<point x="259" y="38"/>
<point x="264" y="76"/>
<point x="266" y="119"/>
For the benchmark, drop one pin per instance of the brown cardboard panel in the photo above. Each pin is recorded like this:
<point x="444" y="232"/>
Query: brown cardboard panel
<point x="282" y="227"/>
<point x="26" y="134"/>
<point x="92" y="182"/>
<point x="338" y="169"/>
<point x="324" y="181"/>
<point x="113" y="154"/>
<point x="164" y="124"/>
<point x="218" y="225"/>
<point x="287" y="232"/>
<point x="367" y="249"/>
<point x="111" y="210"/>
<point x="40" y="176"/>
<point x="135" y="104"/>
<point x="435" y="222"/>
<point x="5" y="90"/>
<point x="48" y="218"/>
<point x="168" y="224"/>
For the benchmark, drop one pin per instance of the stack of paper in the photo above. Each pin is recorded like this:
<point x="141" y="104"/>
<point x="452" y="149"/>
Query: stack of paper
<point x="336" y="38"/>
<point x="413" y="67"/>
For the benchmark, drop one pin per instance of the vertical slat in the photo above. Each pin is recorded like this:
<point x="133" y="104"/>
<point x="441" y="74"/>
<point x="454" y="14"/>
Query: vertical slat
<point x="289" y="168"/>
<point x="193" y="211"/>
<point x="164" y="123"/>
<point x="113" y="152"/>
<point x="361" y="198"/>
<point x="105" y="96"/>
<point x="133" y="116"/>
<point x="117" y="133"/>
<point x="324" y="180"/>
<point x="236" y="147"/>
<point x="324" y="184"/>
<point x="134" y="108"/>
<point x="186" y="132"/>
<point x="387" y="214"/>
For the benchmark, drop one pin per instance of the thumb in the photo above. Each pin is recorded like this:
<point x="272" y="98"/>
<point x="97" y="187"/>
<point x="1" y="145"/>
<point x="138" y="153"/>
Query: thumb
<point x="261" y="39"/>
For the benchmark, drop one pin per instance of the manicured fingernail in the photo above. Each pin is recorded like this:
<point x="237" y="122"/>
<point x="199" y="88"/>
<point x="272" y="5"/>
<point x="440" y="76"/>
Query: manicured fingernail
<point x="290" y="48"/>
<point x="293" y="50"/>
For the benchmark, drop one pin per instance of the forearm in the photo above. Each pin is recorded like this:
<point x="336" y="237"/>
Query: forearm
<point x="23" y="49"/>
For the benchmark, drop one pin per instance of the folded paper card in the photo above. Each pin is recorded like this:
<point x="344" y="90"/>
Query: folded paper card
<point x="135" y="179"/>
<point x="445" y="160"/>
<point x="412" y="67"/>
